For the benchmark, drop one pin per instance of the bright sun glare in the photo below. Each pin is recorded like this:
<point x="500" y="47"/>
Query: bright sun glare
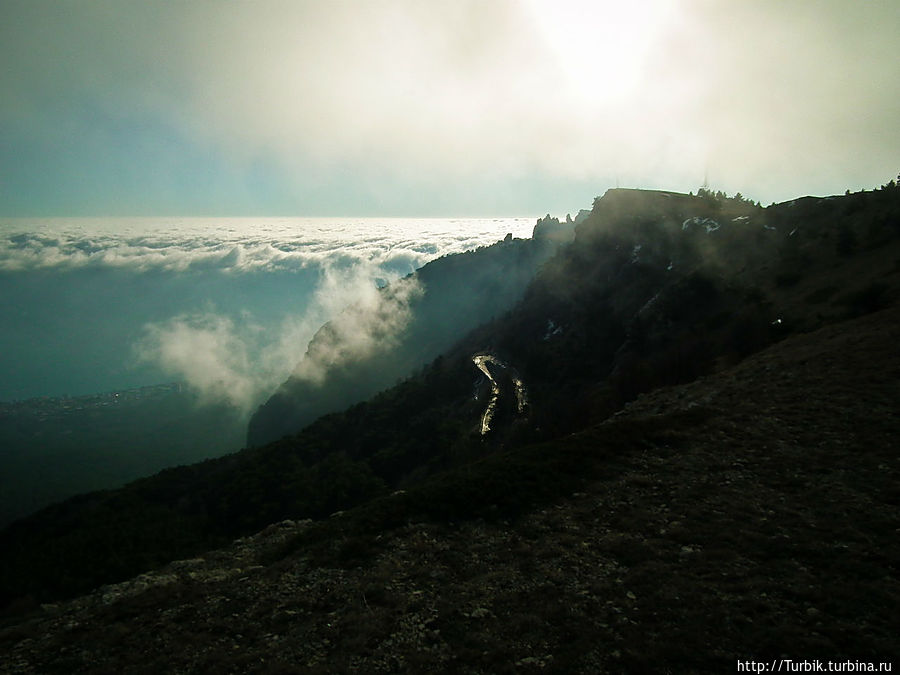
<point x="600" y="46"/>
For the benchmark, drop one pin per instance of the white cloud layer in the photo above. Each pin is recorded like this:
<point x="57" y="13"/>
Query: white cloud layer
<point x="227" y="305"/>
<point x="396" y="246"/>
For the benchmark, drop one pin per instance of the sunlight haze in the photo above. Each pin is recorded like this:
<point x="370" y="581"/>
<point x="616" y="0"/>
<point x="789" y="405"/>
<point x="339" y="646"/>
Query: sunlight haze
<point x="394" y="107"/>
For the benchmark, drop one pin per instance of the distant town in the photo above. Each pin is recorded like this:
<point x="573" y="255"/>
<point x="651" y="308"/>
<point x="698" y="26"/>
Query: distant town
<point x="46" y="407"/>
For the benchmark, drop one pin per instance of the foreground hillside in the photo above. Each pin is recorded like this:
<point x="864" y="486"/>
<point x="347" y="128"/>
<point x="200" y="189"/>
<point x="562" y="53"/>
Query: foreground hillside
<point x="751" y="514"/>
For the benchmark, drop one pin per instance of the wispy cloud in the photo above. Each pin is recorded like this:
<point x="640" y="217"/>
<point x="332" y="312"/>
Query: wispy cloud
<point x="208" y="352"/>
<point x="371" y="321"/>
<point x="241" y="362"/>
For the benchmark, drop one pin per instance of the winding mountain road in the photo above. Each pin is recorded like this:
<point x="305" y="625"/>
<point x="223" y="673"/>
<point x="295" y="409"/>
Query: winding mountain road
<point x="482" y="362"/>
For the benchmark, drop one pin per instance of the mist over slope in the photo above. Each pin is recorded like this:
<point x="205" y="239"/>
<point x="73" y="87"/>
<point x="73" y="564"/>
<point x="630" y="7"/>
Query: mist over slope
<point x="656" y="289"/>
<point x="387" y="334"/>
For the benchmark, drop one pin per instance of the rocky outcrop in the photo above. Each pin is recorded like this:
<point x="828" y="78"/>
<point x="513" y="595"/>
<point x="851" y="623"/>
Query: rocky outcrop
<point x="551" y="229"/>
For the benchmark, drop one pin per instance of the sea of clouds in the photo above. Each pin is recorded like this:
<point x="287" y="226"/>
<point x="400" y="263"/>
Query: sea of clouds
<point x="241" y="244"/>
<point x="225" y="305"/>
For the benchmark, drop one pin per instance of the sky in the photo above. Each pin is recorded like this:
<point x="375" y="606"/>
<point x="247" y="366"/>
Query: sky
<point x="437" y="108"/>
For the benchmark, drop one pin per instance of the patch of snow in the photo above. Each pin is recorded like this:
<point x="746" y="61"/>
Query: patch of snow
<point x="710" y="224"/>
<point x="634" y="253"/>
<point x="740" y="218"/>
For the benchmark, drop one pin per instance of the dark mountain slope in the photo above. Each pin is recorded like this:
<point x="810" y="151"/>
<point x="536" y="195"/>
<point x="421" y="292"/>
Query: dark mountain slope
<point x="369" y="348"/>
<point x="649" y="294"/>
<point x="659" y="288"/>
<point x="751" y="514"/>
